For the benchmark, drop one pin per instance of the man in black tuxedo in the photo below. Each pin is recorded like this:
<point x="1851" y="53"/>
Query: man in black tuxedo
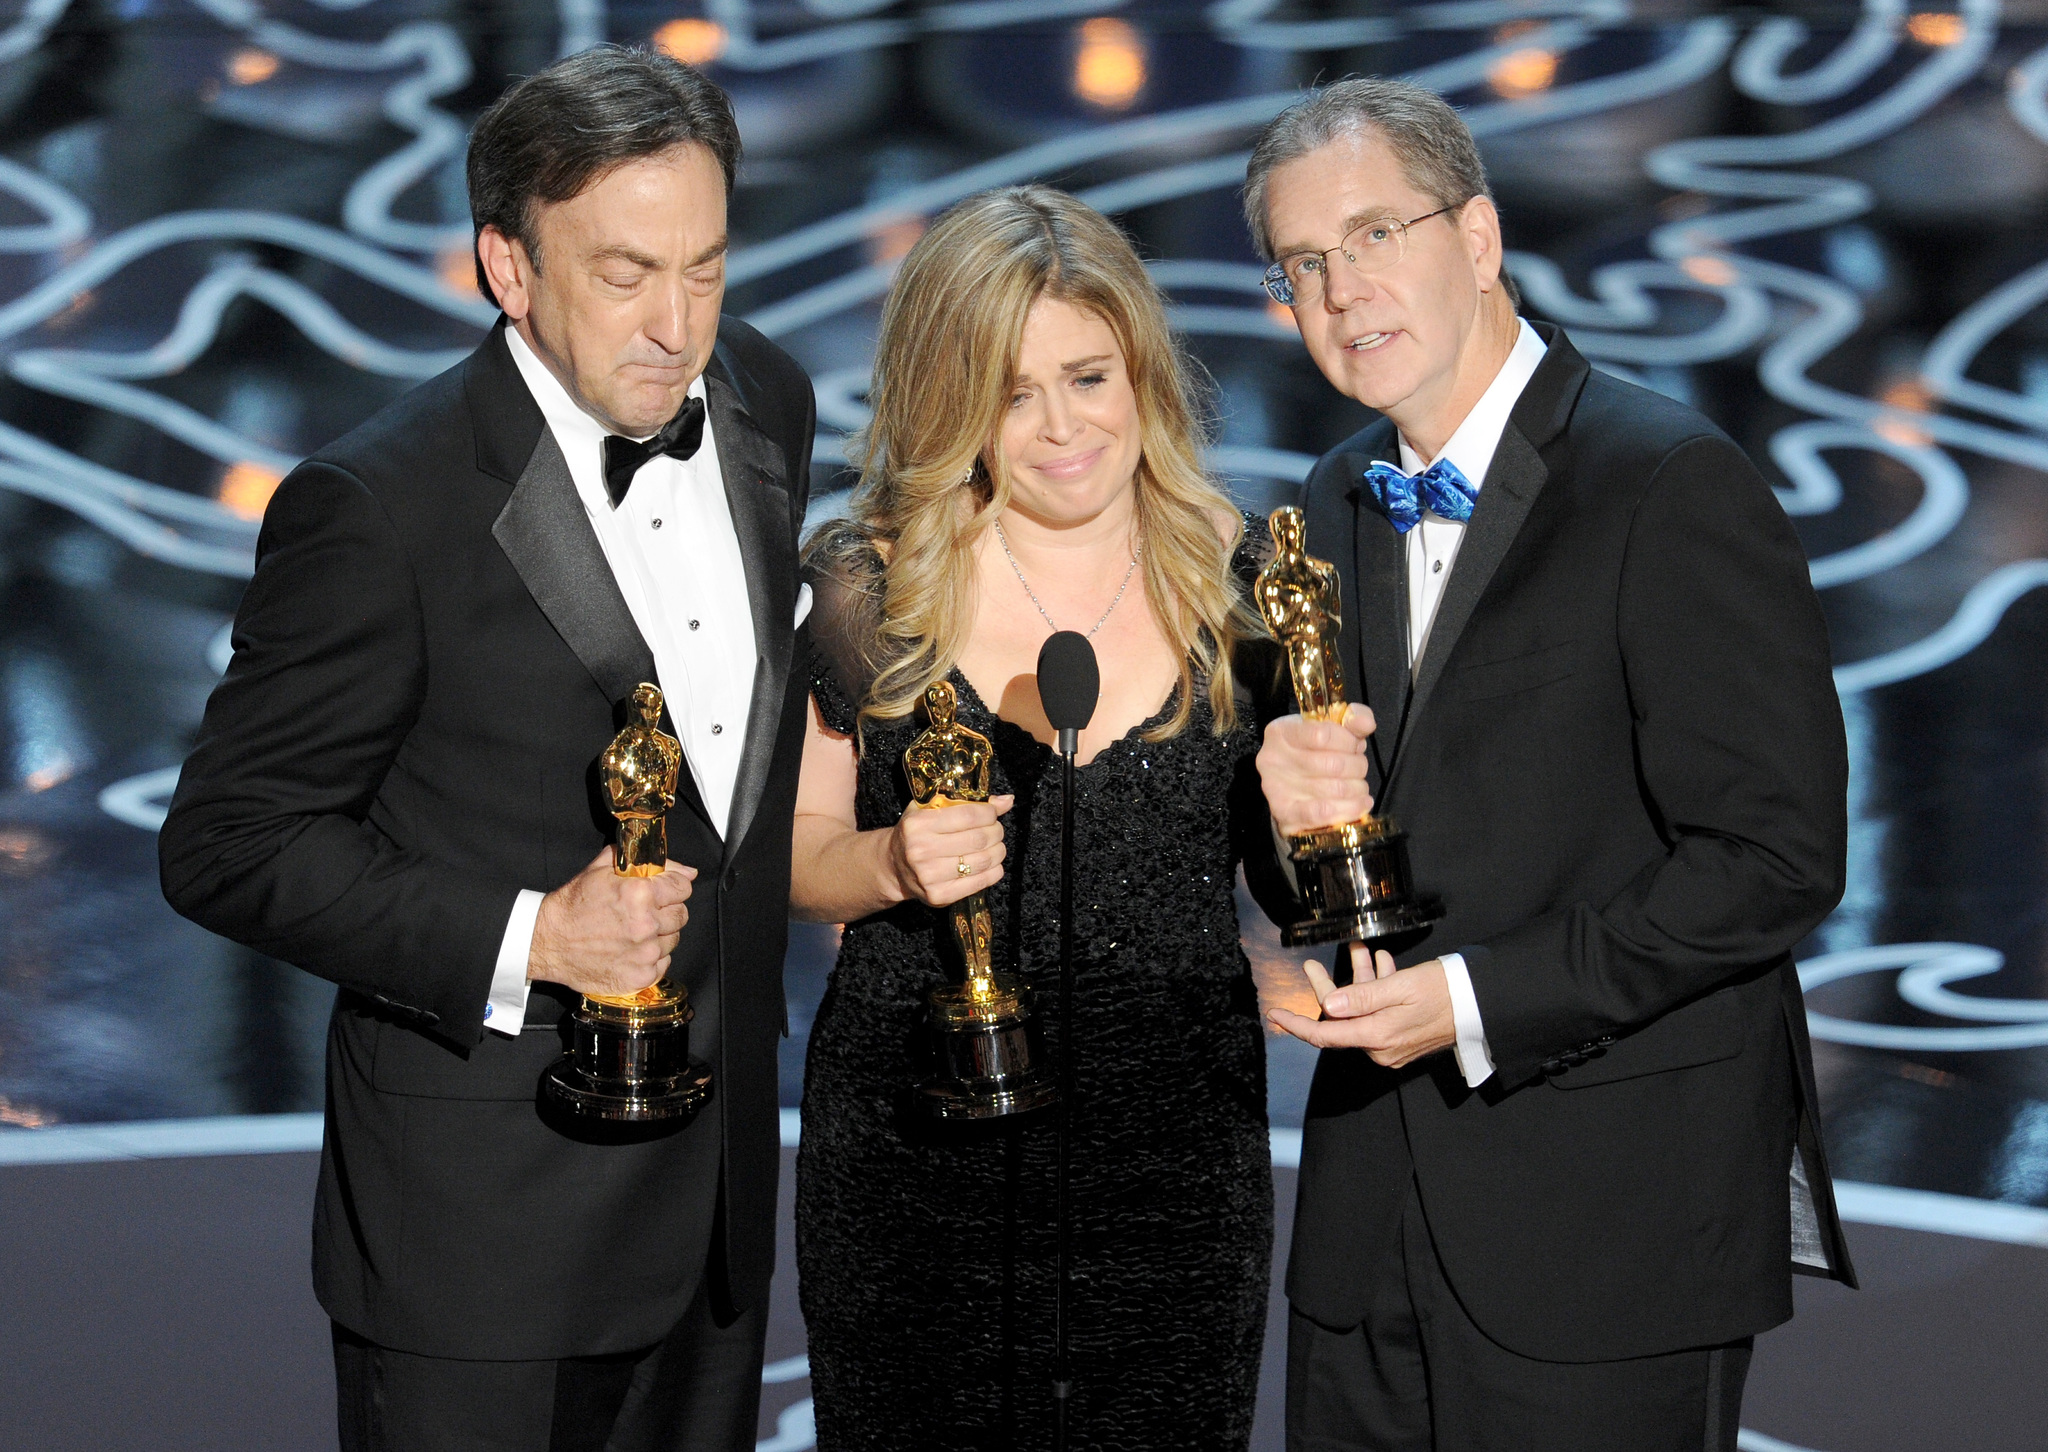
<point x="1600" y="704"/>
<point x="394" y="788"/>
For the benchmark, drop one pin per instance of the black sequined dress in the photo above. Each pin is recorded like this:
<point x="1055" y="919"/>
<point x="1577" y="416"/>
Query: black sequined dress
<point x="925" y="1251"/>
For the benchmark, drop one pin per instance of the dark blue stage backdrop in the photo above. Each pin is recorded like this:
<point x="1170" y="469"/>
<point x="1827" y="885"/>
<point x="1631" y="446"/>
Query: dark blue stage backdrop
<point x="232" y="229"/>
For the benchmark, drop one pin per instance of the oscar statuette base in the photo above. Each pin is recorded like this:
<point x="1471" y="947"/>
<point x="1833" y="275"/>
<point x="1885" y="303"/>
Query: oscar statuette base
<point x="1356" y="885"/>
<point x="989" y="1053"/>
<point x="629" y="1061"/>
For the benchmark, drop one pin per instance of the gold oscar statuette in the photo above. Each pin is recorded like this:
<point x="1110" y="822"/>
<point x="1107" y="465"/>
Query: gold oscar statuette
<point x="1354" y="876"/>
<point x="987" y="1037"/>
<point x="629" y="1057"/>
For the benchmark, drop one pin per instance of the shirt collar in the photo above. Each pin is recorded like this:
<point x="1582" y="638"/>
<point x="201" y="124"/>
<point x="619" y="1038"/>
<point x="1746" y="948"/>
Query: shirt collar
<point x="571" y="426"/>
<point x="1471" y="447"/>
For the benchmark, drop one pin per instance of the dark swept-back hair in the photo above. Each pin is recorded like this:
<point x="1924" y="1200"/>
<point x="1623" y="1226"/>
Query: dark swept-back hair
<point x="564" y="128"/>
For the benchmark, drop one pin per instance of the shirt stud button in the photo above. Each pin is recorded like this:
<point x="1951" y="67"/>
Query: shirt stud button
<point x="716" y="729"/>
<point x="1435" y="569"/>
<point x="657" y="524"/>
<point x="694" y="624"/>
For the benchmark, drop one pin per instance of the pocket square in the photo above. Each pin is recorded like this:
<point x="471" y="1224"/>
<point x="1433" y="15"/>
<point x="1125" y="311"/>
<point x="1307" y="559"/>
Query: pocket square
<point x="803" y="605"/>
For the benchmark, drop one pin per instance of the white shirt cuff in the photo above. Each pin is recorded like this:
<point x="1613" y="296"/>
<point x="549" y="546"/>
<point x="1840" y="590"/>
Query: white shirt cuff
<point x="505" y="1010"/>
<point x="1474" y="1061"/>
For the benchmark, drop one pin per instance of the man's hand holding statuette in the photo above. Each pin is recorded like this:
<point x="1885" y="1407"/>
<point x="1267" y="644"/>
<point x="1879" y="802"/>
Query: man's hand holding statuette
<point x="1314" y="772"/>
<point x="603" y="934"/>
<point x="1314" y="775"/>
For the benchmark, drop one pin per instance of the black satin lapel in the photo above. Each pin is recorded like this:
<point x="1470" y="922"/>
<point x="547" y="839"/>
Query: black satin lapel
<point x="545" y="534"/>
<point x="1380" y="615"/>
<point x="1513" y="481"/>
<point x="757" y="494"/>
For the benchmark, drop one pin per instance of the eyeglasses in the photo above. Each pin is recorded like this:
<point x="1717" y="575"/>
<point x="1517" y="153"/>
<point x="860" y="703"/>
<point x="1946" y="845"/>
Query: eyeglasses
<point x="1373" y="247"/>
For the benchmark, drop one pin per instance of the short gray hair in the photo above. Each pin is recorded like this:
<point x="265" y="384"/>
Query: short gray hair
<point x="1431" y="141"/>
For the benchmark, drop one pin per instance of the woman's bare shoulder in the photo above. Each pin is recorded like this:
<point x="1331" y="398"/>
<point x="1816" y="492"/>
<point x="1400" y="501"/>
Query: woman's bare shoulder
<point x="1227" y="523"/>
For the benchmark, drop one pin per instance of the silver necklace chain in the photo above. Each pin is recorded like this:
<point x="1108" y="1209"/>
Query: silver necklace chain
<point x="1005" y="541"/>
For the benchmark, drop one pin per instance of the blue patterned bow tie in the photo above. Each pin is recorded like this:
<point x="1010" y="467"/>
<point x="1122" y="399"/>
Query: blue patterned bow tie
<point x="1440" y="489"/>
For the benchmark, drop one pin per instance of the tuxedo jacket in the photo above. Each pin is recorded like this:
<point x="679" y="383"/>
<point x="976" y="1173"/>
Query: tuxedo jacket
<point x="1620" y="763"/>
<point x="428" y="662"/>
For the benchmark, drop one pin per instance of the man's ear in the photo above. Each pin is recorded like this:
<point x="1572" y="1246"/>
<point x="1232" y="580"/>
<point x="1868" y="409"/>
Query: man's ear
<point x="507" y="268"/>
<point x="1479" y="226"/>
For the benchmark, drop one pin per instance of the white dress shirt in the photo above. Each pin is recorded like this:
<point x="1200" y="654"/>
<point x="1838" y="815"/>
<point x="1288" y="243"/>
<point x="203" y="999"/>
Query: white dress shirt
<point x="1432" y="551"/>
<point x="673" y="550"/>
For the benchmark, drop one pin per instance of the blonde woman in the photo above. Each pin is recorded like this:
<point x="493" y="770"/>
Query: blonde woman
<point x="1032" y="465"/>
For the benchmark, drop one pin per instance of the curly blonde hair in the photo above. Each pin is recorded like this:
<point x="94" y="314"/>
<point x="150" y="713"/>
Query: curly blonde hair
<point x="932" y="472"/>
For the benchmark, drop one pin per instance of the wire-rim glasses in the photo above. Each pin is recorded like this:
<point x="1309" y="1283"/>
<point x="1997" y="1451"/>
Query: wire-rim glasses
<point x="1369" y="247"/>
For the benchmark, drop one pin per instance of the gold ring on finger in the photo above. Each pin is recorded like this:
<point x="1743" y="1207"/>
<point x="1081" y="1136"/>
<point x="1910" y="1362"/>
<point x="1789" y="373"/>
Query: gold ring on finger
<point x="963" y="869"/>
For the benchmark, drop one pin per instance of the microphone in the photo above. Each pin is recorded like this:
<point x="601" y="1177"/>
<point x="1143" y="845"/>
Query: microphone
<point x="1069" y="683"/>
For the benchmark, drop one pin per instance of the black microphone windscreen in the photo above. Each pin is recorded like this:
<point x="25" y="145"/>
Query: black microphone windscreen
<point x="1068" y="680"/>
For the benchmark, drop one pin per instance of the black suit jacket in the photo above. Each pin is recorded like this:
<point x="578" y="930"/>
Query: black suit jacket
<point x="427" y="664"/>
<point x="1621" y="764"/>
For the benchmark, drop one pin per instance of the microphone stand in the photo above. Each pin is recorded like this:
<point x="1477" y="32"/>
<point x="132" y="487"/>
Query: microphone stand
<point x="1062" y="1381"/>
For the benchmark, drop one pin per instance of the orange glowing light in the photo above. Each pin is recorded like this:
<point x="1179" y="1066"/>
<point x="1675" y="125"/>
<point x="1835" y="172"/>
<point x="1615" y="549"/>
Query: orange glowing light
<point x="1280" y="313"/>
<point x="1909" y="396"/>
<point x="23" y="1117"/>
<point x="81" y="303"/>
<point x="1713" y="271"/>
<point x="1109" y="69"/>
<point x="892" y="241"/>
<point x="246" y="488"/>
<point x="1908" y="393"/>
<point x="251" y="67"/>
<point x="456" y="267"/>
<point x="55" y="774"/>
<point x="1936" y="27"/>
<point x="1902" y="433"/>
<point x="1277" y="972"/>
<point x="692" y="40"/>
<point x="1523" y="73"/>
<point x="20" y="847"/>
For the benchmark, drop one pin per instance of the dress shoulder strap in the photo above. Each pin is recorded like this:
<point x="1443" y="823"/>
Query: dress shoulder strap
<point x="1254" y="550"/>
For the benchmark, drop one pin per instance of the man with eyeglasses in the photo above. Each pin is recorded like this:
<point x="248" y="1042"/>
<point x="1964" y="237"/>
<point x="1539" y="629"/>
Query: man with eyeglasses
<point x="1562" y="1150"/>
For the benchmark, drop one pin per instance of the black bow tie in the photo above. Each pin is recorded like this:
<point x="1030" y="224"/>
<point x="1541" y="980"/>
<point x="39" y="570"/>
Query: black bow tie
<point x="679" y="439"/>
